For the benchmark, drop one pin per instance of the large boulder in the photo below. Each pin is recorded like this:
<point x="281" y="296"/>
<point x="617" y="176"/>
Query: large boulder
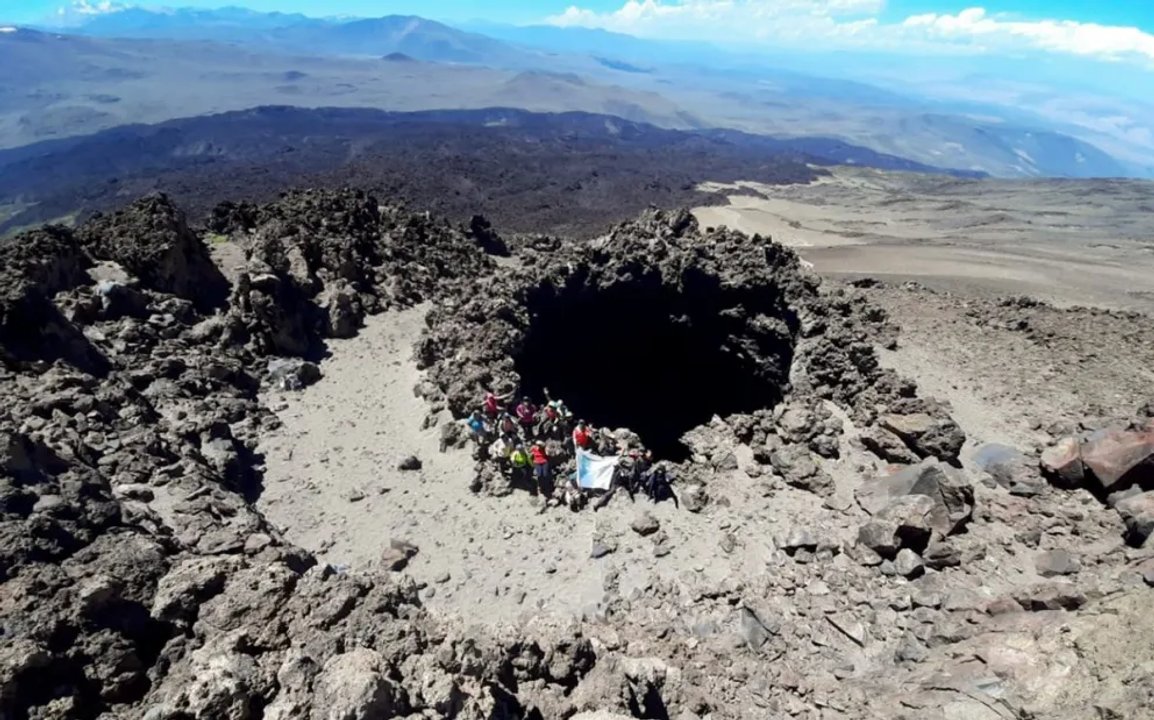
<point x="151" y="240"/>
<point x="1117" y="457"/>
<point x="800" y="469"/>
<point x="354" y="686"/>
<point x="905" y="523"/>
<point x="292" y="373"/>
<point x="927" y="435"/>
<point x="949" y="489"/>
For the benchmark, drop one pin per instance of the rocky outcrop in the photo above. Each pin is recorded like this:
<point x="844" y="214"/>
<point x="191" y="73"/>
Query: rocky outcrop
<point x="151" y="240"/>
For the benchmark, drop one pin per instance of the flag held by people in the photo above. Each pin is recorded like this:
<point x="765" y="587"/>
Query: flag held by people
<point x="595" y="472"/>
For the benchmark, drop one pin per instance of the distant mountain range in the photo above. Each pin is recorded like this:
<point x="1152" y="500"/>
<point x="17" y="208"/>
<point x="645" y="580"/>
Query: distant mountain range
<point x="129" y="64"/>
<point x="74" y="85"/>
<point x="299" y="35"/>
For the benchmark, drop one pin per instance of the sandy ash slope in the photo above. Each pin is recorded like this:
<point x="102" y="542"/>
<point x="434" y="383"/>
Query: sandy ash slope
<point x="205" y="513"/>
<point x="332" y="484"/>
<point x="1071" y="242"/>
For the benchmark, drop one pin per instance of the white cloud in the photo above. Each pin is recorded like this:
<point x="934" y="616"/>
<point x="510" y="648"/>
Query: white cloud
<point x="726" y="19"/>
<point x="86" y="7"/>
<point x="855" y="23"/>
<point x="1066" y="36"/>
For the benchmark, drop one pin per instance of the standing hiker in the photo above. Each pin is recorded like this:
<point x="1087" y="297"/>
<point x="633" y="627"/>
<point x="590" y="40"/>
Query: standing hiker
<point x="582" y="436"/>
<point x="477" y="426"/>
<point x="540" y="467"/>
<point x="527" y="416"/>
<point x="519" y="463"/>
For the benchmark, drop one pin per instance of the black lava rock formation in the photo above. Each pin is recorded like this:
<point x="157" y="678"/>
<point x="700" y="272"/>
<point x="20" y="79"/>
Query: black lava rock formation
<point x="137" y="580"/>
<point x="657" y="327"/>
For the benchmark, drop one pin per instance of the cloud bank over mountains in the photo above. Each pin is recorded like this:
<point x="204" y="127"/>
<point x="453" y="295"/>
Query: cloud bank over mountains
<point x="857" y="24"/>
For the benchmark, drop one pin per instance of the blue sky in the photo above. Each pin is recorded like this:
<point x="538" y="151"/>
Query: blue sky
<point x="1137" y="13"/>
<point x="1112" y="30"/>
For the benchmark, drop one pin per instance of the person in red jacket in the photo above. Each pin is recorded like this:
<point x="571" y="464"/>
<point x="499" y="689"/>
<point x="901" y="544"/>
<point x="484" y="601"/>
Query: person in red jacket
<point x="494" y="404"/>
<point x="540" y="466"/>
<point x="582" y="436"/>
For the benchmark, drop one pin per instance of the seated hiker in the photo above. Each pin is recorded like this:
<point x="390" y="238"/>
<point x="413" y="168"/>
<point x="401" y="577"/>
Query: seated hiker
<point x="571" y="494"/>
<point x="519" y="464"/>
<point x="583" y="436"/>
<point x="526" y="415"/>
<point x="658" y="485"/>
<point x="540" y="467"/>
<point x="639" y="465"/>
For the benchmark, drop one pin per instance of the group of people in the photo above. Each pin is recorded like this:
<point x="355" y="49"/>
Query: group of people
<point x="535" y="444"/>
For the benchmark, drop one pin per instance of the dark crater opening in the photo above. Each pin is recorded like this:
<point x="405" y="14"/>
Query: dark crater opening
<point x="653" y="357"/>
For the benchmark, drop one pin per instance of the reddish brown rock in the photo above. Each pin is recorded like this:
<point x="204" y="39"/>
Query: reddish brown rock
<point x="1117" y="457"/>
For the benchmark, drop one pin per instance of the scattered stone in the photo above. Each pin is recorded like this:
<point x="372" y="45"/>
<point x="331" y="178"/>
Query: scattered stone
<point x="1138" y="514"/>
<point x="661" y="544"/>
<point x="797" y="539"/>
<point x="1003" y="606"/>
<point x="1056" y="562"/>
<point x="941" y="554"/>
<point x="292" y="373"/>
<point x="396" y="557"/>
<point x="910" y="651"/>
<point x="409" y="463"/>
<point x="926" y="599"/>
<point x="864" y="555"/>
<point x="909" y="564"/>
<point x="728" y="543"/>
<point x="1053" y="595"/>
<point x="355" y="495"/>
<point x="694" y="498"/>
<point x="754" y="630"/>
<point x="602" y="548"/>
<point x="645" y="524"/>
<point x="852" y="629"/>
<point x="879" y="538"/>
<point x="1146" y="570"/>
